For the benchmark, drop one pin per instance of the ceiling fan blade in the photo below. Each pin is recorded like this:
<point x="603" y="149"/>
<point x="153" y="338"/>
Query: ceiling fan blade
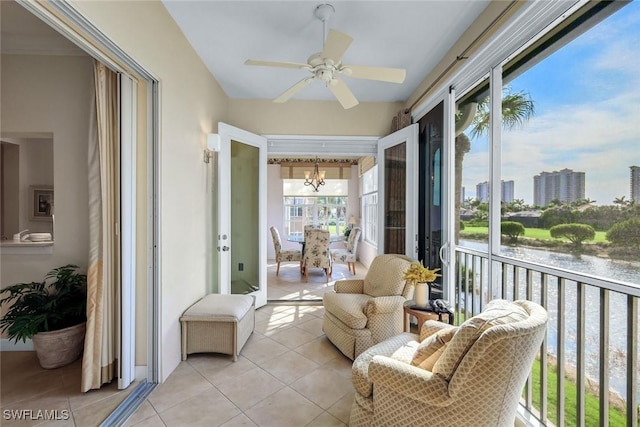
<point x="276" y="64"/>
<point x="343" y="94"/>
<point x="293" y="90"/>
<point x="392" y="75"/>
<point x="336" y="45"/>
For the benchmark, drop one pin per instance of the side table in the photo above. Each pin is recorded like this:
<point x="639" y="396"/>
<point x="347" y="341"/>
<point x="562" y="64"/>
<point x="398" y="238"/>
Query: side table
<point x="421" y="315"/>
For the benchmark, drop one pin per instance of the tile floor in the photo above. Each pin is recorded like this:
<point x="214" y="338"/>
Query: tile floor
<point x="288" y="374"/>
<point x="291" y="285"/>
<point x="27" y="387"/>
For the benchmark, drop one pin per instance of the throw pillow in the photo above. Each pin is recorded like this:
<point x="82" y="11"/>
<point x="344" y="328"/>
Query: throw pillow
<point x="429" y="350"/>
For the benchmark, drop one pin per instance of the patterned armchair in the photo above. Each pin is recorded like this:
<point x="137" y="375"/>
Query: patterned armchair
<point x="471" y="375"/>
<point x="361" y="313"/>
<point x="348" y="254"/>
<point x="316" y="251"/>
<point x="282" y="256"/>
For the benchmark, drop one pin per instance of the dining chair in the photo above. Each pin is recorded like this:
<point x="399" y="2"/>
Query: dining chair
<point x="316" y="252"/>
<point x="283" y="255"/>
<point x="348" y="254"/>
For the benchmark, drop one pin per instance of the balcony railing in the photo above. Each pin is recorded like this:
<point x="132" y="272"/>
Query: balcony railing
<point x="590" y="351"/>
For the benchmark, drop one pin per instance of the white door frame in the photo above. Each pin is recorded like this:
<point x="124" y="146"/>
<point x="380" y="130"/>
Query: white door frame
<point x="224" y="245"/>
<point x="409" y="135"/>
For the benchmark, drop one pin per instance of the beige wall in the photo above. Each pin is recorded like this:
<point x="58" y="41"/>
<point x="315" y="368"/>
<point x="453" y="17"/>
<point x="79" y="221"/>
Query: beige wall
<point x="191" y="104"/>
<point x="52" y="94"/>
<point x="298" y="117"/>
<point x="36" y="169"/>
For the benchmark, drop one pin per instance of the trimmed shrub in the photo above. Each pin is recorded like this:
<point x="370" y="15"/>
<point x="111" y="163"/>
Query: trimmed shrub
<point x="576" y="233"/>
<point x="512" y="229"/>
<point x="626" y="233"/>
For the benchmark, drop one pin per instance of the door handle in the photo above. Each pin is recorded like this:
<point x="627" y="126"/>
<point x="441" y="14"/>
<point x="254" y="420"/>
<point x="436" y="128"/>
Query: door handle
<point x="441" y="253"/>
<point x="225" y="248"/>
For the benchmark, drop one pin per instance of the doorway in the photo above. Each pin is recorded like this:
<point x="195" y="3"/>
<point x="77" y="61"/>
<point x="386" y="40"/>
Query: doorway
<point x="143" y="129"/>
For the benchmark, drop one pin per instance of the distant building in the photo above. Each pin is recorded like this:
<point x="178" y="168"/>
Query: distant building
<point x="506" y="191"/>
<point x="482" y="192"/>
<point x="635" y="183"/>
<point x="565" y="185"/>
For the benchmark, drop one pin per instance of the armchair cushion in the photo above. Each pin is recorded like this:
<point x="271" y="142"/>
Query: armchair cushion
<point x="498" y="312"/>
<point x="385" y="276"/>
<point x="401" y="347"/>
<point x="430" y="350"/>
<point x="349" y="308"/>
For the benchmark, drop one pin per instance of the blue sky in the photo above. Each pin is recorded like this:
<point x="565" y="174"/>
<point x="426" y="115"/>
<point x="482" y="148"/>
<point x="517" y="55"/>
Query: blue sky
<point x="587" y="99"/>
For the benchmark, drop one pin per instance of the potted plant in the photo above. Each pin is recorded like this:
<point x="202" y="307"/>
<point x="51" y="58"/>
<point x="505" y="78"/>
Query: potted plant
<point x="52" y="313"/>
<point x="420" y="276"/>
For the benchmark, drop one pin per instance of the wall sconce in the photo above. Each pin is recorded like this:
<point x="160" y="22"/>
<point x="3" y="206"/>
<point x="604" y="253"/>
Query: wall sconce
<point x="317" y="179"/>
<point x="213" y="146"/>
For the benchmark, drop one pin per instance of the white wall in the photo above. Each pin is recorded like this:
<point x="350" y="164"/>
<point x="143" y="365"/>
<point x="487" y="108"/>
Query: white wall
<point x="52" y="94"/>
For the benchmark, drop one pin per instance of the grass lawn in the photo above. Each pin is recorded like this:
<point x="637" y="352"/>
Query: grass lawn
<point x="535" y="233"/>
<point x="592" y="408"/>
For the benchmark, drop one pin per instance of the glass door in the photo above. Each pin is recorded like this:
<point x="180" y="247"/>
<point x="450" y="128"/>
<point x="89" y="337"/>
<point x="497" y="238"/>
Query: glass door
<point x="397" y="188"/>
<point x="241" y="209"/>
<point x="430" y="194"/>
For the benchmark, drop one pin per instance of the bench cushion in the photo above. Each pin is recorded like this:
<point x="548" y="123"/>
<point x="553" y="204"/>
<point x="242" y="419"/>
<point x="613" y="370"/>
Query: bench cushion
<point x="216" y="306"/>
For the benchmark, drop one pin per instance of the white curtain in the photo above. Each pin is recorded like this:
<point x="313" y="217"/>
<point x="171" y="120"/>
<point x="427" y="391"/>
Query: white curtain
<point x="99" y="363"/>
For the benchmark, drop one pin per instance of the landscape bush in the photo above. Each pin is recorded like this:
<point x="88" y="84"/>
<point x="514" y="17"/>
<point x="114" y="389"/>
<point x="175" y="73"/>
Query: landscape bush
<point x="576" y="233"/>
<point x="626" y="233"/>
<point x="513" y="229"/>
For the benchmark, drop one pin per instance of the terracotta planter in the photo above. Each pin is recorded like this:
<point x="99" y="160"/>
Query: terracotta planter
<point x="59" y="348"/>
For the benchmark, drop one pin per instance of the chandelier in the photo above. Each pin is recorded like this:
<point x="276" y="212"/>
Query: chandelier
<point x="317" y="179"/>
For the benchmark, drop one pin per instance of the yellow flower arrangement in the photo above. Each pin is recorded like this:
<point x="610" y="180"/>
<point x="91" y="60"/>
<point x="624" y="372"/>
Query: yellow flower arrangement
<point x="417" y="273"/>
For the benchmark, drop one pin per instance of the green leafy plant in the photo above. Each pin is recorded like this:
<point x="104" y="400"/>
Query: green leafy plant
<point x="417" y="273"/>
<point x="513" y="229"/>
<point x="59" y="301"/>
<point x="576" y="233"/>
<point x="625" y="233"/>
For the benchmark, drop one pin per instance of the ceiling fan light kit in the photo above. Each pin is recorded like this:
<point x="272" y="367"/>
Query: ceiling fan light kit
<point x="326" y="65"/>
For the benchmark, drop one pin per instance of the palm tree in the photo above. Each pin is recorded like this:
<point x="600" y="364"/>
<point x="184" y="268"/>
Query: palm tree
<point x="517" y="109"/>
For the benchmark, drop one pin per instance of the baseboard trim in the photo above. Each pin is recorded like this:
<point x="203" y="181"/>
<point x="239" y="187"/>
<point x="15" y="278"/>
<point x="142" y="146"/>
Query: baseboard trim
<point x="8" y="345"/>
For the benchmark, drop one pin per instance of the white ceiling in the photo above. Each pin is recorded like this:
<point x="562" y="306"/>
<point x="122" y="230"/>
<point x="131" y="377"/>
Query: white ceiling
<point x="413" y="35"/>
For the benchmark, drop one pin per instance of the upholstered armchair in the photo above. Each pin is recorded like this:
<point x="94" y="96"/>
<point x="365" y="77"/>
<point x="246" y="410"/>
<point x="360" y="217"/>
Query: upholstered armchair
<point x="471" y="375"/>
<point x="361" y="313"/>
<point x="282" y="256"/>
<point x="316" y="251"/>
<point x="348" y="254"/>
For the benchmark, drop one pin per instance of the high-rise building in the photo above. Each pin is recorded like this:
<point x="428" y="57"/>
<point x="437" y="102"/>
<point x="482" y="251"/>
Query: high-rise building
<point x="635" y="183"/>
<point x="566" y="186"/>
<point x="506" y="191"/>
<point x="482" y="192"/>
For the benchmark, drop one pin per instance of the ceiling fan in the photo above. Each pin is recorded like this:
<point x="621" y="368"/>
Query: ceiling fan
<point x="326" y="65"/>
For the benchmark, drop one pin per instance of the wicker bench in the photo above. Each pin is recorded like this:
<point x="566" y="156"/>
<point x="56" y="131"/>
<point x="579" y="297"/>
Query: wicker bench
<point x="218" y="324"/>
